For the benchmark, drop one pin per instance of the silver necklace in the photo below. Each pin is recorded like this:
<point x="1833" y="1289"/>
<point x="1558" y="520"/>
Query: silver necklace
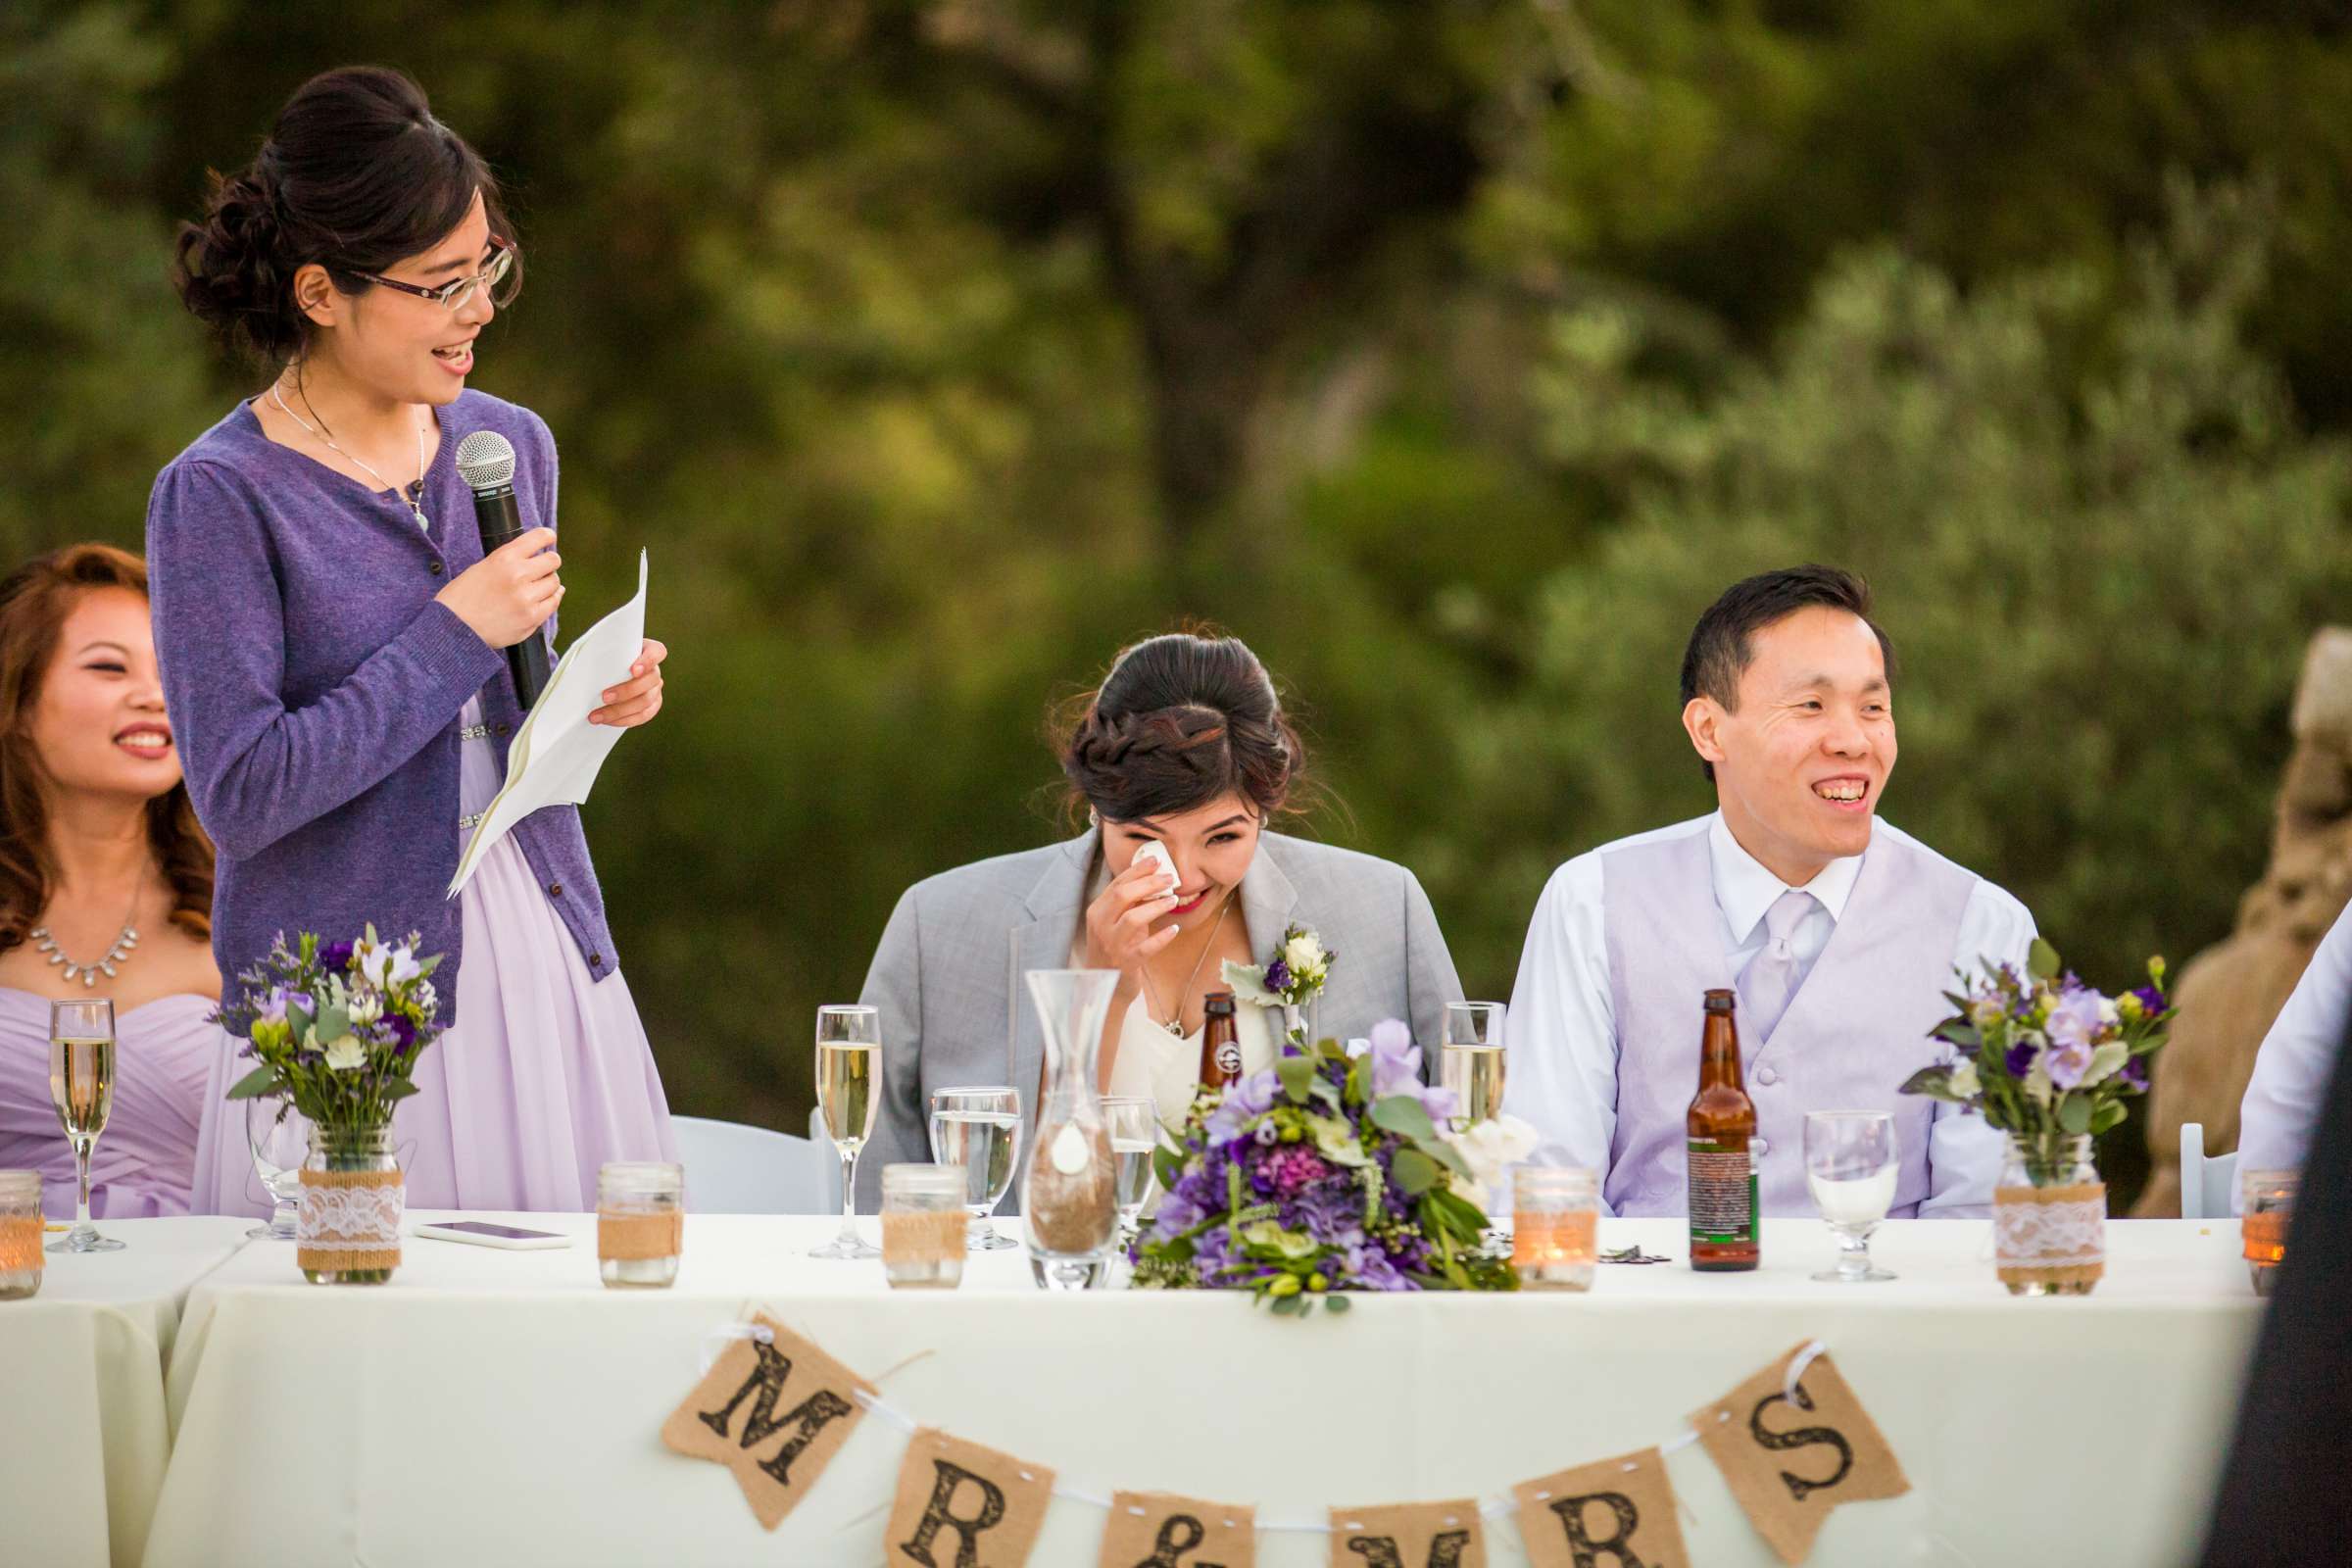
<point x="1174" y="1024"/>
<point x="414" y="496"/>
<point x="89" y="973"/>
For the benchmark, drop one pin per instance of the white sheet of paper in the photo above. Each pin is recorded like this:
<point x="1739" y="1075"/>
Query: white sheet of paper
<point x="557" y="752"/>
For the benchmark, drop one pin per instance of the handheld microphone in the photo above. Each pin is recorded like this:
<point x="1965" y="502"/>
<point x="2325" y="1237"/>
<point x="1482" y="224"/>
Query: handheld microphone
<point x="486" y="463"/>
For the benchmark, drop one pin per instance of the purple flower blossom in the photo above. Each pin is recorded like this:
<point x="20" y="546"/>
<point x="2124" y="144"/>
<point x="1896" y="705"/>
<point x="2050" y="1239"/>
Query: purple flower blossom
<point x="2073" y="1022"/>
<point x="273" y="1007"/>
<point x="1278" y="976"/>
<point x="402" y="1031"/>
<point x="2019" y="1058"/>
<point x="1293" y="1166"/>
<point x="334" y="957"/>
<point x="2134" y="1074"/>
<point x="2067" y="1061"/>
<point x="2151" y="1000"/>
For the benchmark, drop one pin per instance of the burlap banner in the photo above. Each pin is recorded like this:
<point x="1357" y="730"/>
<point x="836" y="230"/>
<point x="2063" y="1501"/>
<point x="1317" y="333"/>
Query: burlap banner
<point x="1160" y="1530"/>
<point x="1791" y="1453"/>
<point x="775" y="1409"/>
<point x="1410" y="1535"/>
<point x="1623" y="1507"/>
<point x="781" y="1387"/>
<point x="961" y="1506"/>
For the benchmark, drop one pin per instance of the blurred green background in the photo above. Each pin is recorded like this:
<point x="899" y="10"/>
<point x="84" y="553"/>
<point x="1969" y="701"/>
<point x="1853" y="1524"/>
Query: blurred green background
<point x="1453" y="354"/>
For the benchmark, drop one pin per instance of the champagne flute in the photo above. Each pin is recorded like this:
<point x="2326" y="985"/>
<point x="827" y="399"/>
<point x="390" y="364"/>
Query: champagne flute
<point x="1470" y="1061"/>
<point x="849" y="1091"/>
<point x="1132" y="1121"/>
<point x="1850" y="1165"/>
<point x="279" y="1137"/>
<point x="979" y="1130"/>
<point x="81" y="1085"/>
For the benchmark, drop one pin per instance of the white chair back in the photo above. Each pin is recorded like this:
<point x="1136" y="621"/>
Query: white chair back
<point x="2208" y="1185"/>
<point x="732" y="1168"/>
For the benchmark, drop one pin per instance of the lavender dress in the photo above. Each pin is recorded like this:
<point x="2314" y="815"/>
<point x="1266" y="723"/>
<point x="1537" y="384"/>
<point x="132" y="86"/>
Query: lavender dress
<point x="142" y="1166"/>
<point x="547" y="1075"/>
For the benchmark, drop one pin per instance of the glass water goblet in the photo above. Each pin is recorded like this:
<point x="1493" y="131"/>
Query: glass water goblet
<point x="1851" y="1166"/>
<point x="978" y="1130"/>
<point x="279" y="1137"/>
<point x="849" y="1092"/>
<point x="1470" y="1061"/>
<point x="1132" y="1121"/>
<point x="82" y="1085"/>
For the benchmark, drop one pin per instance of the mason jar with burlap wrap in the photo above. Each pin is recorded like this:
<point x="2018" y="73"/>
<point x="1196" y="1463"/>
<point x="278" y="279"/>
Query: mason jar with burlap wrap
<point x="640" y="1222"/>
<point x="347" y="1228"/>
<point x="19" y="1234"/>
<point x="2049" y="1216"/>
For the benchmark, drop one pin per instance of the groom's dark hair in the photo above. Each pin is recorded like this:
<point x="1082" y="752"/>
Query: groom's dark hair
<point x="1722" y="645"/>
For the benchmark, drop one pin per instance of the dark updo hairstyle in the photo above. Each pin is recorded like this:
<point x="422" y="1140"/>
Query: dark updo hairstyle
<point x="356" y="176"/>
<point x="1181" y="721"/>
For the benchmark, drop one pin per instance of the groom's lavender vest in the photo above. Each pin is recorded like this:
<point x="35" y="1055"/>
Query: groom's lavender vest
<point x="1853" y="1031"/>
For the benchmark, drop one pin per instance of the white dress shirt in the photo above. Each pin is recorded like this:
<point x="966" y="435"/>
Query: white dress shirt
<point x="2291" y="1069"/>
<point x="1562" y="1029"/>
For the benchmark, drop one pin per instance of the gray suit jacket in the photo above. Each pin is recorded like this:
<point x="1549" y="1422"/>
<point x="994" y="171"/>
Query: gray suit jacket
<point x="947" y="976"/>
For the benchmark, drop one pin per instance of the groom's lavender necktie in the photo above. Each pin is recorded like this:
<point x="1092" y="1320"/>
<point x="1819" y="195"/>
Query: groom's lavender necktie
<point x="1770" y="978"/>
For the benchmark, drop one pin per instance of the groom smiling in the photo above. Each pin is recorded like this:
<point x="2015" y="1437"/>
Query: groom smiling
<point x="1840" y="932"/>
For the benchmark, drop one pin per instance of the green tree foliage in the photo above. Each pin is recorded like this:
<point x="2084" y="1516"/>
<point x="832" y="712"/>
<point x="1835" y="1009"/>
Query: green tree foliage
<point x="1452" y="353"/>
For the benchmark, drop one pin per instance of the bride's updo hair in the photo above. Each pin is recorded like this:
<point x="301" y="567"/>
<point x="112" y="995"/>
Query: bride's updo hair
<point x="356" y="176"/>
<point x="1181" y="721"/>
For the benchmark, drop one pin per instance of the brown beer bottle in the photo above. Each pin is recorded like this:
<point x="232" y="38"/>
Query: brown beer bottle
<point x="1722" y="1127"/>
<point x="1221" y="1042"/>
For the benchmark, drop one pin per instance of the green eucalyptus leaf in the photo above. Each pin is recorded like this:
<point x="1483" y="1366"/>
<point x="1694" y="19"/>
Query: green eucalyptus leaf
<point x="2042" y="961"/>
<point x="399" y="1089"/>
<point x="1412" y="1171"/>
<point x="1295" y="1073"/>
<point x="1404" y="1115"/>
<point x="255" y="1084"/>
<point x="1168" y="1165"/>
<point x="2108" y="1117"/>
<point x="1934" y="1082"/>
<point x="2074" y="1115"/>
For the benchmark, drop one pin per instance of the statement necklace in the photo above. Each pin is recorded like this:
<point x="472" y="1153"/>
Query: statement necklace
<point x="1174" y="1022"/>
<point x="89" y="973"/>
<point x="414" y="496"/>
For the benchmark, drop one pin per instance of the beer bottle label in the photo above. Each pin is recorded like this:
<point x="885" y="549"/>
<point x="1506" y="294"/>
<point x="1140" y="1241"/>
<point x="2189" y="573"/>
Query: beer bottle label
<point x="1229" y="1058"/>
<point x="1723" y="1193"/>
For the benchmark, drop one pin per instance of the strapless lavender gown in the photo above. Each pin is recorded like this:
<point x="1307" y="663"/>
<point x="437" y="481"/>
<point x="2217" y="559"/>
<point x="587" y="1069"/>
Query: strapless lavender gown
<point x="145" y="1159"/>
<point x="547" y="1076"/>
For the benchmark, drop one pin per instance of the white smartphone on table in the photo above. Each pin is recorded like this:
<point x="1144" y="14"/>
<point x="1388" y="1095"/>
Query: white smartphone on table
<point x="482" y="1233"/>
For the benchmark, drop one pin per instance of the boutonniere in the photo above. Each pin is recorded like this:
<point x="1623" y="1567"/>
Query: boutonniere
<point x="1291" y="979"/>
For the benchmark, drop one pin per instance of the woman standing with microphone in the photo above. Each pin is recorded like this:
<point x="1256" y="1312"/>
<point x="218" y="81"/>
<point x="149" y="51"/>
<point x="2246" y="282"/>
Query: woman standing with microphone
<point x="332" y="636"/>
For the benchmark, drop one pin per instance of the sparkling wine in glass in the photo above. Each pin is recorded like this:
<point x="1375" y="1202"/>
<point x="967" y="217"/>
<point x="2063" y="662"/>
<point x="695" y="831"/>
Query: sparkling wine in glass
<point x="1470" y="1061"/>
<point x="82" y="1085"/>
<point x="849" y="1091"/>
<point x="1134" y="1123"/>
<point x="1851" y="1166"/>
<point x="978" y="1130"/>
<point x="279" y="1137"/>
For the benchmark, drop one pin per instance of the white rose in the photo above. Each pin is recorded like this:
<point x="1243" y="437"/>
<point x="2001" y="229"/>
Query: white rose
<point x="1964" y="1079"/>
<point x="1304" y="953"/>
<point x="345" y="1053"/>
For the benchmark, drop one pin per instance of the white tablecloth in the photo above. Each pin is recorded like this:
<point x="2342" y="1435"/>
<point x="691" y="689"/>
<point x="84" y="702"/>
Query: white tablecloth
<point x="503" y="1406"/>
<point x="83" y="1440"/>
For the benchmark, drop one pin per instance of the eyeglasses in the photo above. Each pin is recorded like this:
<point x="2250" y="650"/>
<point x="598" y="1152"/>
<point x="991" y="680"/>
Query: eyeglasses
<point x="452" y="296"/>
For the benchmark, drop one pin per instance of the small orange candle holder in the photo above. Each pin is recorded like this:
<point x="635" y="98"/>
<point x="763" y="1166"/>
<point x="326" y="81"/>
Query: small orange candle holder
<point x="1555" y="1227"/>
<point x="19" y="1234"/>
<point x="2270" y="1203"/>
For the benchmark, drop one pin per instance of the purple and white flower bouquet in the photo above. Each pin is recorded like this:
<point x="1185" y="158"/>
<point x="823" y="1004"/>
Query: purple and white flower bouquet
<point x="2045" y="1057"/>
<point x="1325" y="1173"/>
<point x="336" y="1027"/>
<point x="1292" y="981"/>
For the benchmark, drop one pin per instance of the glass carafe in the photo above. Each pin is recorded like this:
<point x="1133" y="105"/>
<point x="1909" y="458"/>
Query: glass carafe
<point x="1069" y="1189"/>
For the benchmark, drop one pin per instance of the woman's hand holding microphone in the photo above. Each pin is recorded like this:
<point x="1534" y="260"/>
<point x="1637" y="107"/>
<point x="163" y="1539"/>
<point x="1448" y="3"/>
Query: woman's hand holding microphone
<point x="512" y="592"/>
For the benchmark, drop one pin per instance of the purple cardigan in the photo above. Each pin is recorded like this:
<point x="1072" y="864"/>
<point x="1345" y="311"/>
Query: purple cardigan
<point x="313" y="689"/>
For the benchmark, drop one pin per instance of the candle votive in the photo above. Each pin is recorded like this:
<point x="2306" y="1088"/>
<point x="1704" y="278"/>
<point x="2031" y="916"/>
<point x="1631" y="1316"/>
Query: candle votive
<point x="640" y="1222"/>
<point x="19" y="1234"/>
<point x="1555" y="1227"/>
<point x="2270" y="1203"/>
<point x="923" y="1220"/>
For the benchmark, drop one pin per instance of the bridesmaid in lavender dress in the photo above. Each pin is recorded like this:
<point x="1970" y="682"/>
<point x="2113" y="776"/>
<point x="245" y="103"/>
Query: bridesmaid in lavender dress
<point x="332" y="636"/>
<point x="102" y="868"/>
